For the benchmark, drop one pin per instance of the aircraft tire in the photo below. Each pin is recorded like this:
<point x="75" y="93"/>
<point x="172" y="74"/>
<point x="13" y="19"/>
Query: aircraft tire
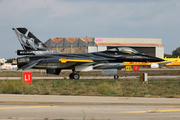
<point x="116" y="76"/>
<point x="71" y="76"/>
<point x="76" y="76"/>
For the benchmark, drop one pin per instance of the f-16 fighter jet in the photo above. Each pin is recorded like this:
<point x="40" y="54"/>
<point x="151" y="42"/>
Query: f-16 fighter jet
<point x="41" y="57"/>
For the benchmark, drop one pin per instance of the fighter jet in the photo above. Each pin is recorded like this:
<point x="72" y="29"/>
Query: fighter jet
<point x="41" y="57"/>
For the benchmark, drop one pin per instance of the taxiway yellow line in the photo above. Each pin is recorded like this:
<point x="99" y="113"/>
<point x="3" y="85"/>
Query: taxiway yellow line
<point x="153" y="111"/>
<point x="27" y="107"/>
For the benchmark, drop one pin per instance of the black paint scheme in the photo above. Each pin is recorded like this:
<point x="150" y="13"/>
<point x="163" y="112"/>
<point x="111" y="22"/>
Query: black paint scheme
<point x="41" y="57"/>
<point x="51" y="61"/>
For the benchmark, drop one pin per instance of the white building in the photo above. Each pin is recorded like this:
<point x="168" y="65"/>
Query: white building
<point x="153" y="47"/>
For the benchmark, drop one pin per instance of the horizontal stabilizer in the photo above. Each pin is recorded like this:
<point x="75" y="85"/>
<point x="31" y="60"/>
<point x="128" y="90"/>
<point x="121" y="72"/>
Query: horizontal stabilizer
<point x="164" y="63"/>
<point x="30" y="64"/>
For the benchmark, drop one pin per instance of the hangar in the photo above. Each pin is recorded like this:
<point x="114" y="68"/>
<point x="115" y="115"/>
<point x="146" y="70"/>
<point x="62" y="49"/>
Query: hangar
<point x="153" y="47"/>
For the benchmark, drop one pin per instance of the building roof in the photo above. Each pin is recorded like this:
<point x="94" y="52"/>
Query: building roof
<point x="85" y="40"/>
<point x="57" y="40"/>
<point x="129" y="40"/>
<point x="114" y="41"/>
<point x="72" y="40"/>
<point x="128" y="44"/>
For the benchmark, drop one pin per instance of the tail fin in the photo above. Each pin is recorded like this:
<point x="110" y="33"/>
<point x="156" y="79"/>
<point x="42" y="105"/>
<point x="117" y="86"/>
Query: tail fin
<point x="28" y="41"/>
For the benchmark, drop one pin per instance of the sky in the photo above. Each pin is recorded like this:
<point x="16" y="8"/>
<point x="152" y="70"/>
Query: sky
<point x="93" y="18"/>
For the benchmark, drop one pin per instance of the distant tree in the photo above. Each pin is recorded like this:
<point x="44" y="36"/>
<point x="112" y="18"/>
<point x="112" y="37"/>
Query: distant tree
<point x="10" y="60"/>
<point x="168" y="55"/>
<point x="176" y="52"/>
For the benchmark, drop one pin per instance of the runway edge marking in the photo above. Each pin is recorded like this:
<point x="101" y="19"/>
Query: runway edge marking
<point x="27" y="107"/>
<point x="152" y="111"/>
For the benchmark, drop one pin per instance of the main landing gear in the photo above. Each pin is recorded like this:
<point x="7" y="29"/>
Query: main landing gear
<point x="74" y="76"/>
<point x="116" y="76"/>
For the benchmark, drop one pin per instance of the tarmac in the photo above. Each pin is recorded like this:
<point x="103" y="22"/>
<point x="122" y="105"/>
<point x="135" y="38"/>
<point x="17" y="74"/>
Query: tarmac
<point x="58" y="107"/>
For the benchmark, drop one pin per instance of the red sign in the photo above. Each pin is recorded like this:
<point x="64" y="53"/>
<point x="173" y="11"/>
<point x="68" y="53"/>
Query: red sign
<point x="27" y="77"/>
<point x="136" y="68"/>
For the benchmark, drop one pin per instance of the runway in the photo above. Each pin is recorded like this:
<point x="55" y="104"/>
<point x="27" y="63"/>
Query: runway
<point x="87" y="107"/>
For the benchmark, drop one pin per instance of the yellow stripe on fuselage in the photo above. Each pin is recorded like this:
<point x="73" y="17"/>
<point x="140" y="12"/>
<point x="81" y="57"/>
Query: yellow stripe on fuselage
<point x="137" y="63"/>
<point x="175" y="62"/>
<point x="64" y="60"/>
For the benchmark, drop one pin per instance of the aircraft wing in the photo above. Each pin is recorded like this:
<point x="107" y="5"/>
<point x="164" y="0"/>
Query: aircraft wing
<point x="164" y="63"/>
<point x="30" y="64"/>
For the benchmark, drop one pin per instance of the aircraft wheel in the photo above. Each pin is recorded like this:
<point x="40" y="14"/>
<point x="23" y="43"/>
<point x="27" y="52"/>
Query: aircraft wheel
<point x="71" y="76"/>
<point x="76" y="76"/>
<point x="116" y="76"/>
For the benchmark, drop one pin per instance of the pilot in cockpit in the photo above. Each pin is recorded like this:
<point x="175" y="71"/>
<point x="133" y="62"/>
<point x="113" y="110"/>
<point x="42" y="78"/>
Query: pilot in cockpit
<point x="124" y="50"/>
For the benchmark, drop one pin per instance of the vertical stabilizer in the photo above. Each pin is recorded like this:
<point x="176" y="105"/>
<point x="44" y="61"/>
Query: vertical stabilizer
<point x="28" y="41"/>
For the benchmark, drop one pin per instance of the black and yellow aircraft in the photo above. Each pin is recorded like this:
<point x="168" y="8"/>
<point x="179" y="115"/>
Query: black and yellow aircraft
<point x="41" y="57"/>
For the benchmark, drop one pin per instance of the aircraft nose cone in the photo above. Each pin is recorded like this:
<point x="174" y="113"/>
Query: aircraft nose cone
<point x="155" y="59"/>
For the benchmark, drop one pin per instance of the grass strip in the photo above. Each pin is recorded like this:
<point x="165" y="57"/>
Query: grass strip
<point x="125" y="88"/>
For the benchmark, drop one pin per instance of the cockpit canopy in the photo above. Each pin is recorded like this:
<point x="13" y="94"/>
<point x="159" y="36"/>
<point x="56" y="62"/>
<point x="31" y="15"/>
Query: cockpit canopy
<point x="124" y="50"/>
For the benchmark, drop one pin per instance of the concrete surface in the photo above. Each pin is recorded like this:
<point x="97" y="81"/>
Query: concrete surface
<point x="46" y="107"/>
